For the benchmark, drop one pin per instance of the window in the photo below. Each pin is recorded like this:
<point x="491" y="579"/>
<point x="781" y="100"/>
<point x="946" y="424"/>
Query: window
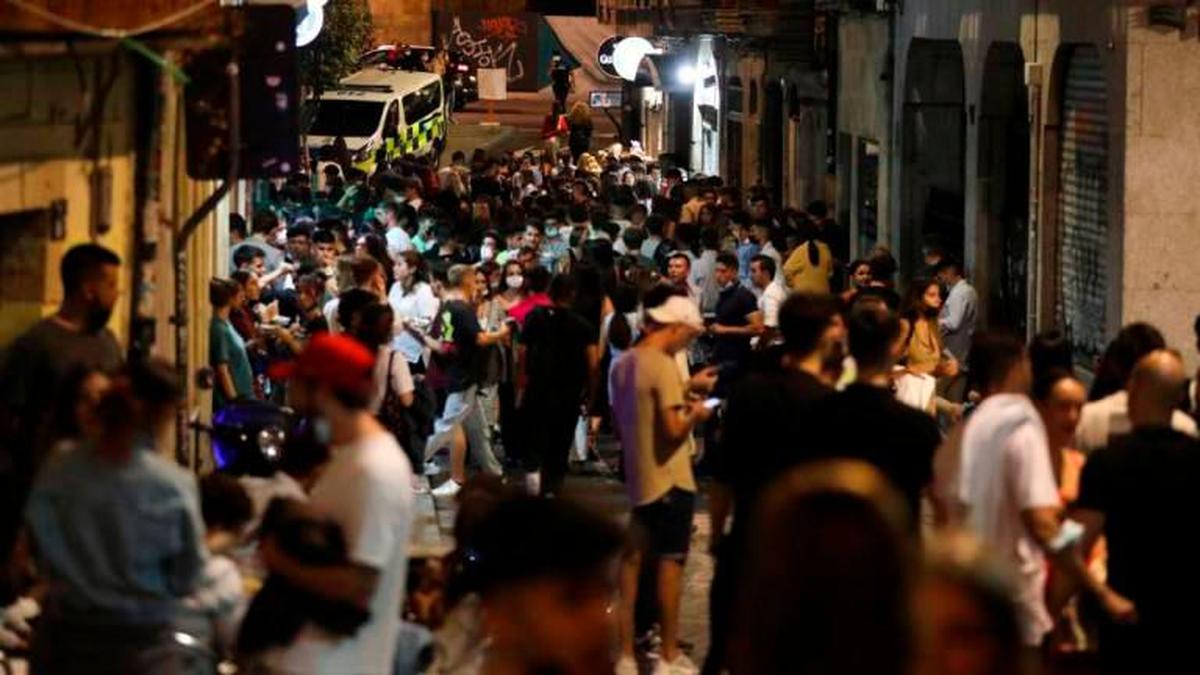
<point x="422" y="103"/>
<point x="352" y="119"/>
<point x="733" y="92"/>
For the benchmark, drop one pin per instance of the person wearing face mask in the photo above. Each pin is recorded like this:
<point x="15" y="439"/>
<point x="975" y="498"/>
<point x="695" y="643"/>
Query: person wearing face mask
<point x="31" y="377"/>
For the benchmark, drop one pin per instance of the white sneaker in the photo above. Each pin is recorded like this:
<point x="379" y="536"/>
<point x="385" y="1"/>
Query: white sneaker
<point x="447" y="489"/>
<point x="626" y="665"/>
<point x="682" y="665"/>
<point x="533" y="482"/>
<point x="432" y="468"/>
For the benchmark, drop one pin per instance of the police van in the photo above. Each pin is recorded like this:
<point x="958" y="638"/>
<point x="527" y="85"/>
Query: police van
<point x="380" y="113"/>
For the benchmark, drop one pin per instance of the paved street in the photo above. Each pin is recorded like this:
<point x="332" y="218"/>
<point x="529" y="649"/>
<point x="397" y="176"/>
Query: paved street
<point x="435" y="522"/>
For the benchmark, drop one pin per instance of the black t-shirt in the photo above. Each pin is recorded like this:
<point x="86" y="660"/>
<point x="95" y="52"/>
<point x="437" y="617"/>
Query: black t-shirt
<point x="867" y="423"/>
<point x="734" y="304"/>
<point x="1144" y="483"/>
<point x="770" y="427"/>
<point x="458" y="324"/>
<point x="556" y="342"/>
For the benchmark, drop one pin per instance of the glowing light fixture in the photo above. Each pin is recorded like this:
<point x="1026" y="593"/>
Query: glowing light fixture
<point x="628" y="54"/>
<point x="310" y="26"/>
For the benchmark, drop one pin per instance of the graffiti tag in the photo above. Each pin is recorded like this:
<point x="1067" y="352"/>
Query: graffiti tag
<point x="488" y="52"/>
<point x="502" y="27"/>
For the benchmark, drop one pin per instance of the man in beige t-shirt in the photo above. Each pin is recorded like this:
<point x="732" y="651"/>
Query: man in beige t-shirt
<point x="654" y="421"/>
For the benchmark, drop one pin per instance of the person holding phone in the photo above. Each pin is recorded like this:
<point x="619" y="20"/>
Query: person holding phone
<point x="654" y="420"/>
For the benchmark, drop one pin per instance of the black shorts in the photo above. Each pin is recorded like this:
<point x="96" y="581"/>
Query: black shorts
<point x="664" y="526"/>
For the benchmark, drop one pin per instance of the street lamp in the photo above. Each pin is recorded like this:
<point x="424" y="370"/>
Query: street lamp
<point x="310" y="26"/>
<point x="686" y="74"/>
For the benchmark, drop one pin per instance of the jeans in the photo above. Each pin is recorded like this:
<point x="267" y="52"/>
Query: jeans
<point x="464" y="409"/>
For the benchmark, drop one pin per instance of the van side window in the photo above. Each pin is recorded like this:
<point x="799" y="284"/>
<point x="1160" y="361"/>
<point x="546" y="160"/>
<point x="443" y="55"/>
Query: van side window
<point x="423" y="102"/>
<point x="391" y="122"/>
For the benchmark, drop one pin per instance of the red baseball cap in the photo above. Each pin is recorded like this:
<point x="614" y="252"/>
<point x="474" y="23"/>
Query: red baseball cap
<point x="335" y="360"/>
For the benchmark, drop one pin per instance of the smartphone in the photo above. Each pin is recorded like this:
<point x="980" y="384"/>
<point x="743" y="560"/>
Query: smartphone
<point x="712" y="403"/>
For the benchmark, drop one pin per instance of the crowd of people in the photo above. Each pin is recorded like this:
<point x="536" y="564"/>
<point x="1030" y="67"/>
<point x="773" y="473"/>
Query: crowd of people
<point x="890" y="488"/>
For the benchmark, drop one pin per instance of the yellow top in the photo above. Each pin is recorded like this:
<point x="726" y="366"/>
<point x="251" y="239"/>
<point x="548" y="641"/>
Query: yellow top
<point x="804" y="277"/>
<point x="924" y="347"/>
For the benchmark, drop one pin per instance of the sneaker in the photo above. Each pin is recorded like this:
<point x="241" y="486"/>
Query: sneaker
<point x="682" y="665"/>
<point x="432" y="468"/>
<point x="533" y="482"/>
<point x="447" y="489"/>
<point x="626" y="665"/>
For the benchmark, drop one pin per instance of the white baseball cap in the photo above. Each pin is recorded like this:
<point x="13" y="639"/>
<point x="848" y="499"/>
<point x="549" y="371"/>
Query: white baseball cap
<point x="677" y="309"/>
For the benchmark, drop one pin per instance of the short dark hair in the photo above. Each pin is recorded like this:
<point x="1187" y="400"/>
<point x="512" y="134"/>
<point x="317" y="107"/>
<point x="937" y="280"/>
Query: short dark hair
<point x="949" y="263"/>
<point x="656" y="224"/>
<point x="526" y="538"/>
<point x="873" y="328"/>
<point x="537" y="279"/>
<point x="241" y="277"/>
<point x="237" y="223"/>
<point x="1049" y="350"/>
<point x="221" y="291"/>
<point x="993" y="354"/>
<point x="679" y="255"/>
<point x="299" y="230"/>
<point x="246" y="254"/>
<point x="562" y="289"/>
<point x="1044" y="382"/>
<point x="82" y="263"/>
<point x="324" y="236"/>
<point x="578" y="213"/>
<point x="264" y="222"/>
<point x="352" y="303"/>
<point x="767" y="263"/>
<point x="728" y="259"/>
<point x="803" y="319"/>
<point x="883" y="265"/>
<point x="224" y="503"/>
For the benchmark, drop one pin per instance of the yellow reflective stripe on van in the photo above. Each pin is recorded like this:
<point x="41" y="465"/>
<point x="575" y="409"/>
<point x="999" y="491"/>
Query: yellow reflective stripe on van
<point x="417" y="136"/>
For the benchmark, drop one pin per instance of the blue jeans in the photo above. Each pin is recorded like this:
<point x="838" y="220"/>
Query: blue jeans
<point x="464" y="409"/>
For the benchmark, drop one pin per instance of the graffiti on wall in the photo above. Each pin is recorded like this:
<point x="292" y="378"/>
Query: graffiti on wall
<point x="496" y="46"/>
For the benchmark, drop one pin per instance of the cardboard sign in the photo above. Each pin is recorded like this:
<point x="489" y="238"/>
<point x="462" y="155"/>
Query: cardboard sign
<point x="493" y="84"/>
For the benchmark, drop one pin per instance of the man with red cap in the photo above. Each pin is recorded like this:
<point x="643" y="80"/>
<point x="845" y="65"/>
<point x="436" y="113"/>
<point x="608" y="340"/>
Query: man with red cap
<point x="366" y="489"/>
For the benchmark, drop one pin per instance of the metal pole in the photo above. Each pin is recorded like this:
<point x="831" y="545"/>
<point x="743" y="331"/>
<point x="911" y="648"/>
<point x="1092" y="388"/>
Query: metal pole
<point x="183" y="453"/>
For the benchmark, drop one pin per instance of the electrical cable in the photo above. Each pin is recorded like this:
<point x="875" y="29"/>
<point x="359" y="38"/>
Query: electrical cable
<point x="109" y="33"/>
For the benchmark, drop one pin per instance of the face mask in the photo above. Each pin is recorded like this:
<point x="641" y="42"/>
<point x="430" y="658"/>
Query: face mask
<point x="515" y="281"/>
<point x="97" y="318"/>
<point x="551" y="232"/>
<point x="486" y="253"/>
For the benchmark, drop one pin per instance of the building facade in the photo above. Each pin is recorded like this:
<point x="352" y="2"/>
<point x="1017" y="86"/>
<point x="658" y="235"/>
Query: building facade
<point x="1046" y="142"/>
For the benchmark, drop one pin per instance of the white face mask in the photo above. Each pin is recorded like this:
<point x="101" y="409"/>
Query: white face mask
<point x="486" y="253"/>
<point x="515" y="281"/>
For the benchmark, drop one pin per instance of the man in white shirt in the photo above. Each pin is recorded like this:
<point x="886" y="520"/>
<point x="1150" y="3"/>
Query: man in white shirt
<point x="760" y="232"/>
<point x="770" y="292"/>
<point x="1010" y="496"/>
<point x="366" y="490"/>
<point x="960" y="311"/>
<point x="679" y="267"/>
<point x="1109" y="416"/>
<point x="398" y="241"/>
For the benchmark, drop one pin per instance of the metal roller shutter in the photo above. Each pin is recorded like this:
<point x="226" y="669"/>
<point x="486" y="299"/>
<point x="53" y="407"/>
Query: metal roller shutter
<point x="1083" y="204"/>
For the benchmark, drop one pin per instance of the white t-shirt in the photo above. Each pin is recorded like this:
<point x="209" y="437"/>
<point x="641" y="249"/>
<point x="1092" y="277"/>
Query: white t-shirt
<point x="417" y="307"/>
<point x="398" y="242"/>
<point x="769" y="301"/>
<point x="1109" y="416"/>
<point x="1005" y="470"/>
<point x="330" y="310"/>
<point x="402" y="380"/>
<point x="367" y="490"/>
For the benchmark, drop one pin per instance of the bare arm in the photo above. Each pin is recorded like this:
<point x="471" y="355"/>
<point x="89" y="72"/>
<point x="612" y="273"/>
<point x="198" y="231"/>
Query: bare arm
<point x="225" y="381"/>
<point x="350" y="583"/>
<point x="1043" y="525"/>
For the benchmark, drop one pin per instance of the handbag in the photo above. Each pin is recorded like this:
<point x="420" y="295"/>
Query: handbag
<point x="392" y="414"/>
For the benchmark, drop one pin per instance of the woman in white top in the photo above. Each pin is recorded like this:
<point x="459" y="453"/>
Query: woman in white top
<point x="414" y="303"/>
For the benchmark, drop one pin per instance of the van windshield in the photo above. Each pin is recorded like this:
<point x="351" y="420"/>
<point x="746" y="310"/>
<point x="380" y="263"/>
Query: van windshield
<point x="347" y="118"/>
